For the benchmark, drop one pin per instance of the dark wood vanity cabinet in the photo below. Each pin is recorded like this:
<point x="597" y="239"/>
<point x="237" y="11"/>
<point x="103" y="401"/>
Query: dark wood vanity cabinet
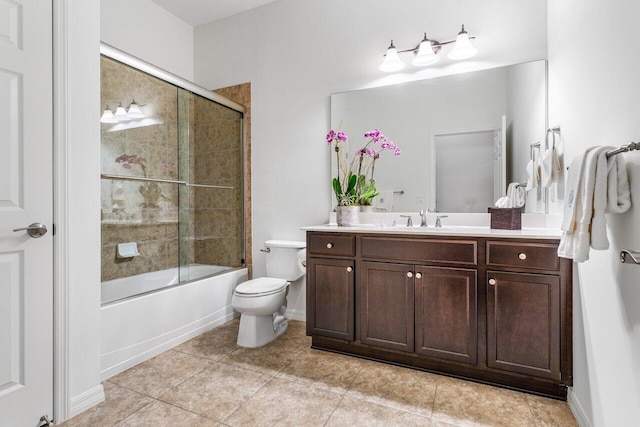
<point x="445" y="313"/>
<point x="386" y="305"/>
<point x="523" y="318"/>
<point x="330" y="298"/>
<point x="491" y="310"/>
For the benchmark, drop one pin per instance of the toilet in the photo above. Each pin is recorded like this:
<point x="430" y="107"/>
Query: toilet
<point x="262" y="302"/>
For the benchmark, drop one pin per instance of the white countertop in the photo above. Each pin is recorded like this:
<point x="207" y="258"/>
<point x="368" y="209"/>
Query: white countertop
<point x="468" y="231"/>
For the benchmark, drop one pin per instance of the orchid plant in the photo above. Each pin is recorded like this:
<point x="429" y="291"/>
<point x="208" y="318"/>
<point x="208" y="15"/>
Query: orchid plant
<point x="354" y="184"/>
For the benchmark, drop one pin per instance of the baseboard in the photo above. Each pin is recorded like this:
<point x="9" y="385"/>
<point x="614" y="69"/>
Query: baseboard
<point x="86" y="400"/>
<point x="576" y="409"/>
<point x="187" y="333"/>
<point x="296" y="315"/>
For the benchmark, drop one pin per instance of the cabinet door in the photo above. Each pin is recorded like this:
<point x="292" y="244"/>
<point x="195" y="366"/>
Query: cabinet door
<point x="330" y="299"/>
<point x="386" y="305"/>
<point x="523" y="323"/>
<point x="446" y="317"/>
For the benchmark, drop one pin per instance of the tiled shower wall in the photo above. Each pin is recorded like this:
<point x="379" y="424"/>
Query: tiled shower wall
<point x="126" y="215"/>
<point x="212" y="219"/>
<point x="216" y="159"/>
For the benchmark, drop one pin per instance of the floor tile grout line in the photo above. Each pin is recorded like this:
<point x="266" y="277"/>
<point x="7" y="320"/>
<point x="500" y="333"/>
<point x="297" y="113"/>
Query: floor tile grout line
<point x="247" y="399"/>
<point x="135" y="412"/>
<point x="334" y="410"/>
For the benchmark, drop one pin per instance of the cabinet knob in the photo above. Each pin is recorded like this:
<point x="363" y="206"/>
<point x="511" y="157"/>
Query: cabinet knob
<point x="409" y="274"/>
<point x="349" y="269"/>
<point x="522" y="255"/>
<point x="492" y="282"/>
<point x="329" y="245"/>
<point x="418" y="275"/>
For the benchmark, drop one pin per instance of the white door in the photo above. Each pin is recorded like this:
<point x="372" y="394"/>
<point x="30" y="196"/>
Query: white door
<point x="463" y="164"/>
<point x="26" y="263"/>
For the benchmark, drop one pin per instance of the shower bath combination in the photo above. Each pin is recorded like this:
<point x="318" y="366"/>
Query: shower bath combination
<point x="173" y="179"/>
<point x="171" y="184"/>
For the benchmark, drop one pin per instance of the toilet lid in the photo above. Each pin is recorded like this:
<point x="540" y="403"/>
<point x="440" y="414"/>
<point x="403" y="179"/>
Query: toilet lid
<point x="261" y="286"/>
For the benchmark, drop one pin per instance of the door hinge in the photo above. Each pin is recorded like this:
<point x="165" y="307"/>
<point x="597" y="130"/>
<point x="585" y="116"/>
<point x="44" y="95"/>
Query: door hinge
<point x="45" y="422"/>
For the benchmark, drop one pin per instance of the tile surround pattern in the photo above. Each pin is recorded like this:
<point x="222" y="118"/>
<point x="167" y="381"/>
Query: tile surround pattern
<point x="211" y="220"/>
<point x="210" y="381"/>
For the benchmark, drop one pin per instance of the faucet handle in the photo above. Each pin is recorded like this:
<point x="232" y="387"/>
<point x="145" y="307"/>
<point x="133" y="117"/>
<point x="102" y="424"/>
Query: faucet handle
<point x="438" y="222"/>
<point x="409" y="221"/>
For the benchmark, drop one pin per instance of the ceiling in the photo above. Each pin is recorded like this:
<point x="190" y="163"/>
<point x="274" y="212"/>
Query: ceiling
<point x="199" y="12"/>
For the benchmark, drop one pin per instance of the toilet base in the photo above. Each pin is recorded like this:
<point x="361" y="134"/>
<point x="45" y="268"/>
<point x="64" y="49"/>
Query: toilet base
<point x="257" y="330"/>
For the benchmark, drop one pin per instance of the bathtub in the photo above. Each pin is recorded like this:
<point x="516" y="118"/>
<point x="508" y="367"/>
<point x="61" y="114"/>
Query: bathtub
<point x="117" y="289"/>
<point x="140" y="327"/>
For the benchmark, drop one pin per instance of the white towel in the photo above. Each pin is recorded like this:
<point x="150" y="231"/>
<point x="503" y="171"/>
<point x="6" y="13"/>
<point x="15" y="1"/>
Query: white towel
<point x="618" y="192"/>
<point x="594" y="184"/>
<point x="516" y="195"/>
<point x="533" y="173"/>
<point x="550" y="167"/>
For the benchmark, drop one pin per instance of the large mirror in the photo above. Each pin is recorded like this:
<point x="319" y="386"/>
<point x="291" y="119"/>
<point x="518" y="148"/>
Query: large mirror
<point x="463" y="137"/>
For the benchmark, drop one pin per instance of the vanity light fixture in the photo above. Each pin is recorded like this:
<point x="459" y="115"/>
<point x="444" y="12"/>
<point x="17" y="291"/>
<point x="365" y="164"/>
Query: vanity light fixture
<point x="121" y="114"/>
<point x="463" y="48"/>
<point x="426" y="53"/>
<point x="134" y="111"/>
<point x="392" y="61"/>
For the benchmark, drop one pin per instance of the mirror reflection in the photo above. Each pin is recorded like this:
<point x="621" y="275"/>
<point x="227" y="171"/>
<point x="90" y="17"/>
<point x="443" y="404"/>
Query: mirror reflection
<point x="464" y="137"/>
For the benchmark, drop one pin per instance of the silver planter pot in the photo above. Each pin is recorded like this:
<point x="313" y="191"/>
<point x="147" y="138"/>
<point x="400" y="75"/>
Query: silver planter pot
<point x="348" y="216"/>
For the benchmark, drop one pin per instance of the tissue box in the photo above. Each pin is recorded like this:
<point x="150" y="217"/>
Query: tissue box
<point x="506" y="218"/>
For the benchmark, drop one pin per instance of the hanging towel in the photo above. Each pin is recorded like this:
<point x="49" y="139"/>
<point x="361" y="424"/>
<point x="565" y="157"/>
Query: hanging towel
<point x="618" y="192"/>
<point x="550" y="167"/>
<point x="594" y="184"/>
<point x="533" y="173"/>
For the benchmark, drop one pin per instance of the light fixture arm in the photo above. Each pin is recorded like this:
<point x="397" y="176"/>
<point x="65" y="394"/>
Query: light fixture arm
<point x="427" y="56"/>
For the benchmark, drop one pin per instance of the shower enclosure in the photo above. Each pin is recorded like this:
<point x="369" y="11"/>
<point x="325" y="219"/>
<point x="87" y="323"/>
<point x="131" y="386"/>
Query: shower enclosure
<point x="172" y="182"/>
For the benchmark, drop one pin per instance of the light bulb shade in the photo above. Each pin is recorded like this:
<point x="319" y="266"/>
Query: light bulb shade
<point x="107" y="117"/>
<point x="121" y="113"/>
<point x="392" y="61"/>
<point x="426" y="55"/>
<point x="463" y="48"/>
<point x="135" y="112"/>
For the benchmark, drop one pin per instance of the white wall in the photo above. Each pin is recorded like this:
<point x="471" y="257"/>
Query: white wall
<point x="594" y="93"/>
<point x="79" y="221"/>
<point x="296" y="53"/>
<point x="147" y="31"/>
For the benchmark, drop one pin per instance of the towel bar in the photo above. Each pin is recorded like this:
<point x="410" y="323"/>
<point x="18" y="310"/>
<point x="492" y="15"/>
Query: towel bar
<point x="629" y="147"/>
<point x="630" y="257"/>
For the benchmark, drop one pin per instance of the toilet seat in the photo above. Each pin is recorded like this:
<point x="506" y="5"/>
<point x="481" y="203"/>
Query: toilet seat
<point x="261" y="286"/>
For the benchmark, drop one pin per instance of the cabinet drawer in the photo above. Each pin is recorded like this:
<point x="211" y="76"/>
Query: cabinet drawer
<point x="332" y="244"/>
<point x="541" y="256"/>
<point x="461" y="252"/>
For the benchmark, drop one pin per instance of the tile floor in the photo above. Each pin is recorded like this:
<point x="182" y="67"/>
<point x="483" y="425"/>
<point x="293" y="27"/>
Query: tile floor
<point x="210" y="381"/>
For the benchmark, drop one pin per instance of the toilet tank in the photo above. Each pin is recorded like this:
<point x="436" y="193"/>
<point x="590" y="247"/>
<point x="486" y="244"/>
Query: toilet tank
<point x="286" y="259"/>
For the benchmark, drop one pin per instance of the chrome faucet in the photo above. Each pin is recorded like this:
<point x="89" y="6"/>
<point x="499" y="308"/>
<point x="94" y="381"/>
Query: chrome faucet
<point x="409" y="222"/>
<point x="423" y="218"/>
<point x="438" y="222"/>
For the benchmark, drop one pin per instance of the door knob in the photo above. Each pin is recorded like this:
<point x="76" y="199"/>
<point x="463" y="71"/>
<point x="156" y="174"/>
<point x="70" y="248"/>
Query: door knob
<point x="34" y="230"/>
<point x="329" y="245"/>
<point x="418" y="275"/>
<point x="349" y="269"/>
<point x="409" y="274"/>
<point x="522" y="256"/>
<point x="492" y="281"/>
